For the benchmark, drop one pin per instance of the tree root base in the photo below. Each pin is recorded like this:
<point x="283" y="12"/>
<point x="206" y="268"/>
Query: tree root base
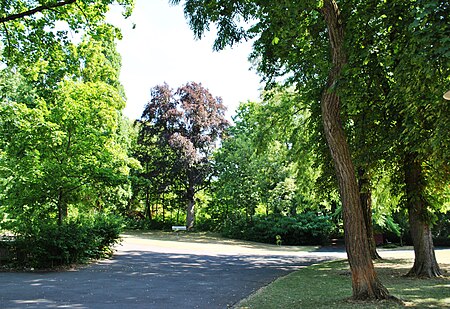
<point x="388" y="299"/>
<point x="424" y="272"/>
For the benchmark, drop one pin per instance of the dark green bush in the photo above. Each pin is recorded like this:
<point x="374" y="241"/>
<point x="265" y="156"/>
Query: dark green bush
<point x="307" y="228"/>
<point x="204" y="224"/>
<point x="75" y="241"/>
<point x="441" y="230"/>
<point x="146" y="224"/>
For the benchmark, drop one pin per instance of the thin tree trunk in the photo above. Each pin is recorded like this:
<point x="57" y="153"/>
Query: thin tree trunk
<point x="129" y="204"/>
<point x="365" y="196"/>
<point x="425" y="263"/>
<point x="163" y="208"/>
<point x="62" y="207"/>
<point x="190" y="215"/>
<point x="147" y="203"/>
<point x="147" y="196"/>
<point x="365" y="282"/>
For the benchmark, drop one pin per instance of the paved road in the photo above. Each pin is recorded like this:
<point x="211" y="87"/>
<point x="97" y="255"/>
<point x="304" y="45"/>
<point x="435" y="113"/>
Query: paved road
<point x="148" y="273"/>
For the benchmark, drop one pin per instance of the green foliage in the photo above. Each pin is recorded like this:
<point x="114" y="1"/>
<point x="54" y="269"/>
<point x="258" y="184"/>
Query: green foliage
<point x="441" y="230"/>
<point x="398" y="70"/>
<point x="63" y="139"/>
<point x="307" y="228"/>
<point x="56" y="156"/>
<point x="62" y="143"/>
<point x="266" y="162"/>
<point x="391" y="90"/>
<point x="77" y="240"/>
<point x="204" y="222"/>
<point x="43" y="38"/>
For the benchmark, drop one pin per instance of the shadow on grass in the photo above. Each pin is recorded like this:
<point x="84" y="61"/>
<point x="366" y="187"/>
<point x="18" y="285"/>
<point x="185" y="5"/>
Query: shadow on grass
<point x="416" y="293"/>
<point x="328" y="285"/>
<point x="214" y="239"/>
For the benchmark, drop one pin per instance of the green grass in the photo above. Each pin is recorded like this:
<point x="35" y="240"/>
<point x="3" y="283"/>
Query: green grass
<point x="328" y="285"/>
<point x="211" y="239"/>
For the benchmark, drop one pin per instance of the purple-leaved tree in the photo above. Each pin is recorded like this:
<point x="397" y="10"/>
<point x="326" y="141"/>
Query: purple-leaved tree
<point x="189" y="122"/>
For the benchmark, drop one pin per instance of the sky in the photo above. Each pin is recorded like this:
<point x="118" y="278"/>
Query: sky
<point x="162" y="49"/>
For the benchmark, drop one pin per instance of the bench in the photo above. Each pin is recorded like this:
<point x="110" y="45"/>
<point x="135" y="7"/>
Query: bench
<point x="177" y="228"/>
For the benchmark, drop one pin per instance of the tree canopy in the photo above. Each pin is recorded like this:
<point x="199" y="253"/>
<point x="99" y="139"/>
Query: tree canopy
<point x="189" y="123"/>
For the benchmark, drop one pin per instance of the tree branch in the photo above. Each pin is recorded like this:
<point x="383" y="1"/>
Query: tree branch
<point x="36" y="10"/>
<point x="84" y="14"/>
<point x="7" y="38"/>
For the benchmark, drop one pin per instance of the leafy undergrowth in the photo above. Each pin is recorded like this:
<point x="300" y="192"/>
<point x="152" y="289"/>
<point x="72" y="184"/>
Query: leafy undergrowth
<point x="328" y="285"/>
<point x="46" y="245"/>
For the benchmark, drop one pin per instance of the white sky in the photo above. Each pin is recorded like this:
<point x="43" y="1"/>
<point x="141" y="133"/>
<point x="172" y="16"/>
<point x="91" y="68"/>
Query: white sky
<point x="162" y="49"/>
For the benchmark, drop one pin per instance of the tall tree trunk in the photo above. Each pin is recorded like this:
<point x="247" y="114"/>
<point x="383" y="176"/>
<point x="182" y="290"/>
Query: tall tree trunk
<point x="163" y="208"/>
<point x="365" y="282"/>
<point x="147" y="203"/>
<point x="365" y="196"/>
<point x="190" y="215"/>
<point x="425" y="264"/>
<point x="147" y="195"/>
<point x="62" y="207"/>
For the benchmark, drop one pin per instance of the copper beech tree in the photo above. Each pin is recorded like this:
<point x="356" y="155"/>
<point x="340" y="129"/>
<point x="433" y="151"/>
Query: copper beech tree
<point x="189" y="122"/>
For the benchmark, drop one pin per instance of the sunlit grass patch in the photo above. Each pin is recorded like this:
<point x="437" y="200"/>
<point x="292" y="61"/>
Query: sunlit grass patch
<point x="328" y="285"/>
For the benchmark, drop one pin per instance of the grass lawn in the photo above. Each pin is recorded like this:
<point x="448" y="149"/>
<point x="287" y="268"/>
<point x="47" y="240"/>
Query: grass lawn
<point x="328" y="285"/>
<point x="211" y="242"/>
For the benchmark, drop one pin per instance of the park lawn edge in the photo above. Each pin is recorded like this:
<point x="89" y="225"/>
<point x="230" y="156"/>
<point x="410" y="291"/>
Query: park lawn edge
<point x="328" y="285"/>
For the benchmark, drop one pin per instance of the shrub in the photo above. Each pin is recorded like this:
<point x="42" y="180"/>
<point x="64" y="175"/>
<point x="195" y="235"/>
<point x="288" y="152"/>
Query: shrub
<point x="307" y="228"/>
<point x="204" y="223"/>
<point x="75" y="241"/>
<point x="441" y="230"/>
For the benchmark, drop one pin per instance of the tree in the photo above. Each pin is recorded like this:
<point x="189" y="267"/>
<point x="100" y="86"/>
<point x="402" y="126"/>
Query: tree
<point x="427" y="55"/>
<point x="278" y="24"/>
<point x="188" y="122"/>
<point x="265" y="162"/>
<point x="71" y="147"/>
<point x="30" y="24"/>
<point x="157" y="174"/>
<point x="65" y="150"/>
<point x="407" y="56"/>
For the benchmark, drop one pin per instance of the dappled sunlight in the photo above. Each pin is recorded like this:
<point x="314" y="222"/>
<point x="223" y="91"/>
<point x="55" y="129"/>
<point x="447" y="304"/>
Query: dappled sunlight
<point x="207" y="243"/>
<point x="209" y="238"/>
<point x="150" y="269"/>
<point x="43" y="282"/>
<point x="149" y="262"/>
<point x="416" y="293"/>
<point x="45" y="303"/>
<point x="139" y="277"/>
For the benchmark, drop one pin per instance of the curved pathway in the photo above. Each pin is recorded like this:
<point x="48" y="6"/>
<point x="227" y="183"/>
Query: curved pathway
<point x="157" y="270"/>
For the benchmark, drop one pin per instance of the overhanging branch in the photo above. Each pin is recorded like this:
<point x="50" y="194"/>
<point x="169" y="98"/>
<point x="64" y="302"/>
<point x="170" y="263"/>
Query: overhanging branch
<point x="7" y="37"/>
<point x="36" y="10"/>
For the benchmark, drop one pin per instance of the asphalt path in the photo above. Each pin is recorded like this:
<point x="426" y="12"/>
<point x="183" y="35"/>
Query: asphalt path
<point x="161" y="272"/>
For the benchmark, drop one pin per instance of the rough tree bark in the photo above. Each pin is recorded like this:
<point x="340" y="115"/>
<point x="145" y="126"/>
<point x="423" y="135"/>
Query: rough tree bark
<point x="365" y="282"/>
<point x="365" y="196"/>
<point x="425" y="263"/>
<point x="190" y="214"/>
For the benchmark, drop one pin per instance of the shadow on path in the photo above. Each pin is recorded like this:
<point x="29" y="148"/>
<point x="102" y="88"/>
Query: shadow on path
<point x="145" y="279"/>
